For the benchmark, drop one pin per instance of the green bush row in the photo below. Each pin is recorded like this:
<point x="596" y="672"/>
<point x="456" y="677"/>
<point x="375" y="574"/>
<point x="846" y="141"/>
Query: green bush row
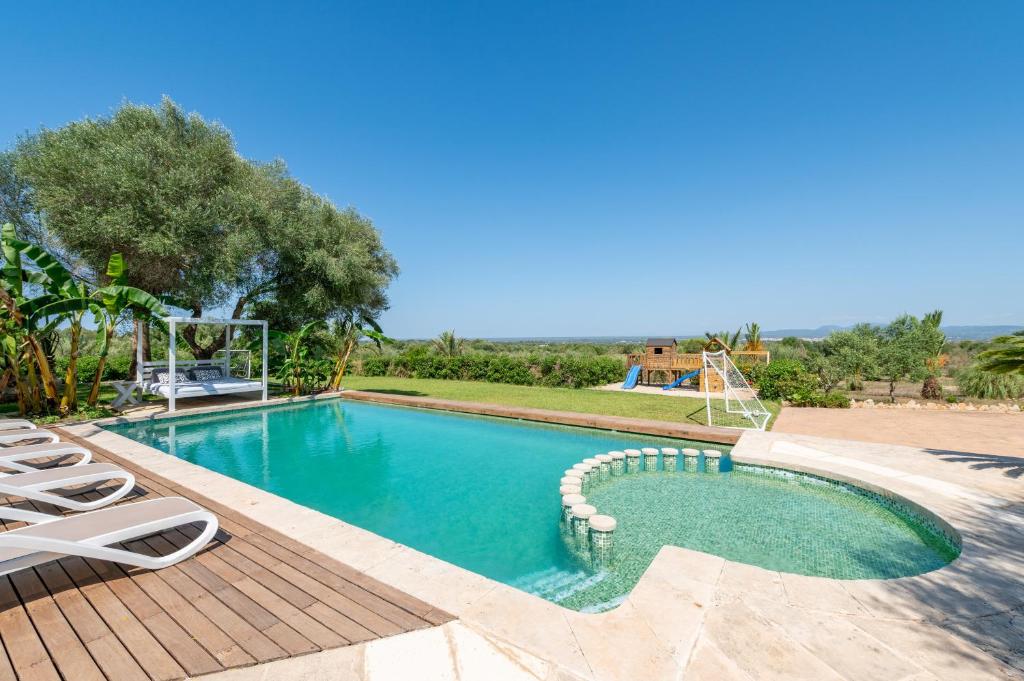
<point x="569" y="371"/>
<point x="116" y="368"/>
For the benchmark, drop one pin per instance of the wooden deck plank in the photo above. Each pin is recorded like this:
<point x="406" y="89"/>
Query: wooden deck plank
<point x="287" y="611"/>
<point x="28" y="655"/>
<point x="178" y="643"/>
<point x="102" y="643"/>
<point x="226" y="651"/>
<point x="6" y="670"/>
<point x="69" y="655"/>
<point x="236" y="629"/>
<point x="309" y="574"/>
<point x="139" y="641"/>
<point x="248" y="611"/>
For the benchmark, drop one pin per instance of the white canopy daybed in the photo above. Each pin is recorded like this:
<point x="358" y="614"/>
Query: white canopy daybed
<point x="176" y="379"/>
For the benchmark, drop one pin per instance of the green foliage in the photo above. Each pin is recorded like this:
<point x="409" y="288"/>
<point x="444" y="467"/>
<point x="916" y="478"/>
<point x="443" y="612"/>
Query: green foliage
<point x="752" y="337"/>
<point x="1006" y="356"/>
<point x="198" y="223"/>
<point x="783" y="379"/>
<point x="118" y="367"/>
<point x="571" y="371"/>
<point x="978" y="382"/>
<point x="115" y="369"/>
<point x="854" y="353"/>
<point x="448" y="344"/>
<point x="817" y="398"/>
<point x="731" y="339"/>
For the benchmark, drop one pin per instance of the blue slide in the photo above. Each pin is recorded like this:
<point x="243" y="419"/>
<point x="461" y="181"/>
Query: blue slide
<point x="676" y="383"/>
<point x="632" y="377"/>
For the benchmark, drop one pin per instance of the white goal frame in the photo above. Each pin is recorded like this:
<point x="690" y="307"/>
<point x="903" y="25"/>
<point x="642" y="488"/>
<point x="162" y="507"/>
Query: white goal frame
<point x="739" y="397"/>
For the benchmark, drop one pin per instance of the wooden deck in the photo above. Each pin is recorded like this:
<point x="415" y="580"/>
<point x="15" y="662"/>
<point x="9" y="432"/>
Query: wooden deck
<point x="253" y="595"/>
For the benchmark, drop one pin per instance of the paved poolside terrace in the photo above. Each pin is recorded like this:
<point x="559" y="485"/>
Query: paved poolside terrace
<point x="691" y="616"/>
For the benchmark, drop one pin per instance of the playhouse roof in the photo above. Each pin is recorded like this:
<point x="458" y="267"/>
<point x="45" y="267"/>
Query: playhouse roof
<point x="660" y="342"/>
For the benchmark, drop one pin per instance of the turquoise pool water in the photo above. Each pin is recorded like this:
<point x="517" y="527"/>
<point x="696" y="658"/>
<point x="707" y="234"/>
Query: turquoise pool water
<point x="482" y="493"/>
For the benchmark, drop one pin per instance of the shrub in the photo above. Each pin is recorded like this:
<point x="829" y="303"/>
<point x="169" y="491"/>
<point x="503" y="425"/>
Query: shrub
<point x="116" y="368"/>
<point x="783" y="379"/>
<point x="571" y="371"/>
<point x="976" y="382"/>
<point x="817" y="398"/>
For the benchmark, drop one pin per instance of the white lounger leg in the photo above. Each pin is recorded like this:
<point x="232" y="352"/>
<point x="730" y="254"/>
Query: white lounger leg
<point x="42" y="494"/>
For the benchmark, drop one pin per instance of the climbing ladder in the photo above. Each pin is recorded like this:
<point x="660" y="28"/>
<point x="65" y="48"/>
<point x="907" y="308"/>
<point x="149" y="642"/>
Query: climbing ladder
<point x="740" y="398"/>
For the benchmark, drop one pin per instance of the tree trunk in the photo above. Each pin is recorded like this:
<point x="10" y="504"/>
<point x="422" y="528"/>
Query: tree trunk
<point x="188" y="333"/>
<point x="94" y="393"/>
<point x="133" y="368"/>
<point x="147" y="351"/>
<point x="892" y="391"/>
<point x="342" y="364"/>
<point x="33" y="383"/>
<point x="69" y="402"/>
<point x="45" y="373"/>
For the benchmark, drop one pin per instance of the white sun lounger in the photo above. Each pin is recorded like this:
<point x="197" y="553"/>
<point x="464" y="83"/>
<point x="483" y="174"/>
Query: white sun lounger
<point x="19" y="434"/>
<point x="12" y="457"/>
<point x="89" y="535"/>
<point x="11" y="424"/>
<point x="42" y="485"/>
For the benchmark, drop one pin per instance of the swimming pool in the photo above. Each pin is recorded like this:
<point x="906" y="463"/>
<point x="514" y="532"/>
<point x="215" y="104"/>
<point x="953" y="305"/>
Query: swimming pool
<point x="481" y="492"/>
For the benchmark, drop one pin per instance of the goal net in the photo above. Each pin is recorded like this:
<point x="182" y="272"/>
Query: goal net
<point x="739" y="397"/>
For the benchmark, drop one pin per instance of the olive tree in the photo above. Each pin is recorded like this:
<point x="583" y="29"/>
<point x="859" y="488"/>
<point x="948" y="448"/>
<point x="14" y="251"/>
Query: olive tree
<point x="906" y="345"/>
<point x="201" y="226"/>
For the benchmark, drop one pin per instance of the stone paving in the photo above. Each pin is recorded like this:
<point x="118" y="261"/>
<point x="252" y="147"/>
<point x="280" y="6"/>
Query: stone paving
<point x="692" y="615"/>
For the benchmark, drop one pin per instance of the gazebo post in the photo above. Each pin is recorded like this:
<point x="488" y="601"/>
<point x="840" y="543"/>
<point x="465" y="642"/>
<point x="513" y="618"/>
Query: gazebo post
<point x="140" y="371"/>
<point x="264" y="362"/>
<point x="227" y="350"/>
<point x="171" y="361"/>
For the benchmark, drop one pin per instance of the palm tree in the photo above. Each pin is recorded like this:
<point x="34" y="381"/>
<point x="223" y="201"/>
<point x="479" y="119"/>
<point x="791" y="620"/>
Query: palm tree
<point x="752" y="339"/>
<point x="730" y="339"/>
<point x="935" y="341"/>
<point x="349" y="331"/>
<point x="448" y="344"/>
<point x="1006" y="356"/>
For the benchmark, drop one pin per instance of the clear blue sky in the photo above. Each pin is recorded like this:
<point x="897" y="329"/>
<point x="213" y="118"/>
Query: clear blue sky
<point x="603" y="168"/>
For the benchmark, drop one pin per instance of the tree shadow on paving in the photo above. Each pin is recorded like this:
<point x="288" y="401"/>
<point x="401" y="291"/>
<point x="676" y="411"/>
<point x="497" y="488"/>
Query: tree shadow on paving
<point x="1012" y="466"/>
<point x="394" y="391"/>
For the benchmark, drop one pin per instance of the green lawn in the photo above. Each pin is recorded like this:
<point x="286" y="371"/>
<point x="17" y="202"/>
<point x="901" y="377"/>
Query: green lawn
<point x="636" y="405"/>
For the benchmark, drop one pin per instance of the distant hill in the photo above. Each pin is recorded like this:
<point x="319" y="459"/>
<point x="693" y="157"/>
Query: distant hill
<point x="952" y="332"/>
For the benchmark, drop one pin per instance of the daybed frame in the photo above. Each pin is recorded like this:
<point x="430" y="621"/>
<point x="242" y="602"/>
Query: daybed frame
<point x="174" y="390"/>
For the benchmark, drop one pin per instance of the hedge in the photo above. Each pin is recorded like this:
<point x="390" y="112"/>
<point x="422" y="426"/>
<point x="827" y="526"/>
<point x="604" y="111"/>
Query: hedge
<point x="568" y="371"/>
<point x="116" y="368"/>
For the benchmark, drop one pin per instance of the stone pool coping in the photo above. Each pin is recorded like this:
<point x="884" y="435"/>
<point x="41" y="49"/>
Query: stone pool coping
<point x="693" y="612"/>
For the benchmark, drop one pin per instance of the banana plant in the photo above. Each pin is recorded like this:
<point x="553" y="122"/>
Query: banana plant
<point x="24" y="357"/>
<point x="349" y="331"/>
<point x="296" y="351"/>
<point x="107" y="304"/>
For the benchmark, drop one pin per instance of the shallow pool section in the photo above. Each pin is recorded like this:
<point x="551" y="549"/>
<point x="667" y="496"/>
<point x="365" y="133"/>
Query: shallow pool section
<point x="482" y="493"/>
<point x="775" y="519"/>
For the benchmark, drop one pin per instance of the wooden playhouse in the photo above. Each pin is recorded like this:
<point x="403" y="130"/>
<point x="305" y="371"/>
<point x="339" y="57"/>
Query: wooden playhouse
<point x="661" y="359"/>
